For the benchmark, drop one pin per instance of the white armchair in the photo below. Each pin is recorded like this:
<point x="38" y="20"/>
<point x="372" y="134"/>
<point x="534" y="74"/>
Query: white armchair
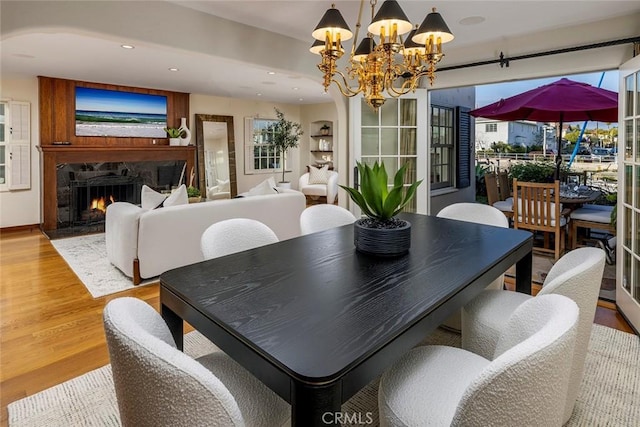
<point x="329" y="190"/>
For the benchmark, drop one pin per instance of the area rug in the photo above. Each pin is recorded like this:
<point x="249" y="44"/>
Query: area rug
<point x="610" y="392"/>
<point x="87" y="257"/>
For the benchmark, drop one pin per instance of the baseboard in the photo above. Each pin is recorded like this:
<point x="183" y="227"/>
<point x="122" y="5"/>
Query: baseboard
<point x="17" y="228"/>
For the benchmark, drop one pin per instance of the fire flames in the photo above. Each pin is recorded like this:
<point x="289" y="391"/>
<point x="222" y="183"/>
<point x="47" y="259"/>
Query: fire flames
<point x="100" y="204"/>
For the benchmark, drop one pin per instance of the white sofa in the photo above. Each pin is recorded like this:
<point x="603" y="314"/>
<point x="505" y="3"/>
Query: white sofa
<point x="146" y="243"/>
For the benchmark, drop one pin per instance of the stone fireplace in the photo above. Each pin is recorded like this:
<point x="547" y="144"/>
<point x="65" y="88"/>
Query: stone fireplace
<point x="80" y="182"/>
<point x="85" y="190"/>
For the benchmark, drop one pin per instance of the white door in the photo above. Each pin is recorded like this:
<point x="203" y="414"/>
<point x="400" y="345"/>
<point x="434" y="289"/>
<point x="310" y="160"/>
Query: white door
<point x="395" y="135"/>
<point x="628" y="229"/>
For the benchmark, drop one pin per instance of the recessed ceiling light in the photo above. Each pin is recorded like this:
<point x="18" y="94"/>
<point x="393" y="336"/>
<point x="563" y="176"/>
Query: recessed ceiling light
<point x="127" y="46"/>
<point x="295" y="88"/>
<point x="472" y="20"/>
<point x="300" y="99"/>
<point x="174" y="69"/>
<point x="271" y="73"/>
<point x="259" y="94"/>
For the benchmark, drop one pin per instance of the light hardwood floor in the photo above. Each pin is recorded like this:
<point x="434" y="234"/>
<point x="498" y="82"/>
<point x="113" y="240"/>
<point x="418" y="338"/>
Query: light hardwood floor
<point x="51" y="327"/>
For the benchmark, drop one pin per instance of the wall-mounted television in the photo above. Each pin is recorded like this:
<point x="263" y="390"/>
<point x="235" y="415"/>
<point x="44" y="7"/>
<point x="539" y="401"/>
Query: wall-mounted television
<point x="101" y="112"/>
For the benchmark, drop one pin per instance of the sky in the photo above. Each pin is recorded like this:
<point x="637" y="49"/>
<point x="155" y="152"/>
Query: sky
<point x="89" y="99"/>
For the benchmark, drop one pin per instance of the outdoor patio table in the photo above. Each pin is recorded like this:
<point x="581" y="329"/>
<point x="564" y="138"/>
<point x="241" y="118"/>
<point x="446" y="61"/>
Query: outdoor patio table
<point x="316" y="321"/>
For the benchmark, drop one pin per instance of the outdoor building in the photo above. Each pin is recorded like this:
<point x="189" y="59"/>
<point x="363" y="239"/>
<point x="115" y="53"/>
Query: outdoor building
<point x="522" y="133"/>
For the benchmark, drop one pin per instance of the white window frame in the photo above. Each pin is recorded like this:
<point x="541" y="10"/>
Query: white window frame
<point x="252" y="136"/>
<point x="491" y="127"/>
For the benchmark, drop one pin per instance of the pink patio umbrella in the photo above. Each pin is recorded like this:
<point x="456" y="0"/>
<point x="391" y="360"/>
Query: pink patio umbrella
<point x="561" y="101"/>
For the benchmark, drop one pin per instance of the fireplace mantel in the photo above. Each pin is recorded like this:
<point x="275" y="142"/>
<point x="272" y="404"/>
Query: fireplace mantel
<point x="53" y="155"/>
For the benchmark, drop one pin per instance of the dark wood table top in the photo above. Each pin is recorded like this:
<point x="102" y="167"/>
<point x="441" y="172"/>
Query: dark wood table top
<point x="315" y="309"/>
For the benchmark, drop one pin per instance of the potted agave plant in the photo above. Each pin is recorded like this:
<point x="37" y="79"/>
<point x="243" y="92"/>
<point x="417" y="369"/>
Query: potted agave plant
<point x="381" y="233"/>
<point x="174" y="135"/>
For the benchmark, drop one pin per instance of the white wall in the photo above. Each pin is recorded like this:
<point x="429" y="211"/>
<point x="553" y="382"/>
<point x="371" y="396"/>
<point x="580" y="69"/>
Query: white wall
<point x="241" y="108"/>
<point x="23" y="207"/>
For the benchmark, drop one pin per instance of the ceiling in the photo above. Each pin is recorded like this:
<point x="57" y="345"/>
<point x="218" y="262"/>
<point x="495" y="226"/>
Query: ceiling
<point x="93" y="57"/>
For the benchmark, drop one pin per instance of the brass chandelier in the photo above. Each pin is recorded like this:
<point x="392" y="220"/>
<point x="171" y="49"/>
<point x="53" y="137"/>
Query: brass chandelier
<point x="391" y="65"/>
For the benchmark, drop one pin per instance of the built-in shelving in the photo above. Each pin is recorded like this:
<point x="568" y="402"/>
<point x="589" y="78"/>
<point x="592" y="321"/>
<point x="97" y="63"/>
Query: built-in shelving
<point x="321" y="139"/>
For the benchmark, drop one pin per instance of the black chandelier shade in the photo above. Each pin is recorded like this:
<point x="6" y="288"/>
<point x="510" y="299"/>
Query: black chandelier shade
<point x="434" y="25"/>
<point x="390" y="13"/>
<point x="334" y="23"/>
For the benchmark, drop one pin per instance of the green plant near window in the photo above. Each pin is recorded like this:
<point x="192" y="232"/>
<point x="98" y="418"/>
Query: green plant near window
<point x="481" y="187"/>
<point x="286" y="135"/>
<point x="535" y="171"/>
<point x="374" y="197"/>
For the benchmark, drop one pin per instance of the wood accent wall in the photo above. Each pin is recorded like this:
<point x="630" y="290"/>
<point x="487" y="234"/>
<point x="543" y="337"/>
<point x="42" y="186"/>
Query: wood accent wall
<point x="57" y="101"/>
<point x="57" y="123"/>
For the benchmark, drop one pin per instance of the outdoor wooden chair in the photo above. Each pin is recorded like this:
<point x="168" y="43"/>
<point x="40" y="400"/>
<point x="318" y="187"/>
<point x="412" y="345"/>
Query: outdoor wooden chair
<point x="537" y="208"/>
<point x="504" y="185"/>
<point x="493" y="195"/>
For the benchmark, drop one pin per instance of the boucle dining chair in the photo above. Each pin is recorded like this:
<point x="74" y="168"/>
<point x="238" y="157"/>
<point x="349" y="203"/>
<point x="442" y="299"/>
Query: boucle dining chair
<point x="235" y="235"/>
<point x="158" y="385"/>
<point x="480" y="214"/>
<point x="323" y="217"/>
<point x="576" y="275"/>
<point x="524" y="384"/>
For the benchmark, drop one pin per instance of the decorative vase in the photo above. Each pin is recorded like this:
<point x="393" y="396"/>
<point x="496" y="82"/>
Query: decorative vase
<point x="187" y="138"/>
<point x="394" y="240"/>
<point x="174" y="142"/>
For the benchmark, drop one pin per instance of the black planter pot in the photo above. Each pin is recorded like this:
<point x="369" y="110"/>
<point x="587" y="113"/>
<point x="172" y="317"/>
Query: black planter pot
<point x="394" y="240"/>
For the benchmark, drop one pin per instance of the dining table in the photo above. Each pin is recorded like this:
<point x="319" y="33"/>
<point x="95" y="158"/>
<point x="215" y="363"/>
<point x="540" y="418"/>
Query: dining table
<point x="316" y="320"/>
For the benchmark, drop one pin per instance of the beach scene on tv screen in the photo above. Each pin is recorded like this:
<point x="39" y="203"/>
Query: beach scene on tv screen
<point x="101" y="112"/>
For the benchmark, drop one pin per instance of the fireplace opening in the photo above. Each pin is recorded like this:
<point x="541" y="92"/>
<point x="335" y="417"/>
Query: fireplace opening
<point x="90" y="196"/>
<point x="85" y="190"/>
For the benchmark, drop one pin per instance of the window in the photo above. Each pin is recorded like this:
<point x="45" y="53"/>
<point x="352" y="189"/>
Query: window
<point x="15" y="146"/>
<point x="260" y="154"/>
<point x="491" y="127"/>
<point x="442" y="147"/>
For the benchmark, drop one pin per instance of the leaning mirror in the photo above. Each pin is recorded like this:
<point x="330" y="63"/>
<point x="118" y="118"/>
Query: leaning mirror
<point x="216" y="156"/>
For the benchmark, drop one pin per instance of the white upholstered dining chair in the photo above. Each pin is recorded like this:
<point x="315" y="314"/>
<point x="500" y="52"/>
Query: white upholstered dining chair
<point x="576" y="275"/>
<point x="158" y="385"/>
<point x="524" y="384"/>
<point x="235" y="235"/>
<point x="323" y="217"/>
<point x="480" y="214"/>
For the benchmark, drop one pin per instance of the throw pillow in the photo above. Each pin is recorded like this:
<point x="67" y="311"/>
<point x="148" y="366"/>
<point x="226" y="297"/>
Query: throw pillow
<point x="178" y="197"/>
<point x="319" y="176"/>
<point x="262" y="189"/>
<point x="151" y="199"/>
